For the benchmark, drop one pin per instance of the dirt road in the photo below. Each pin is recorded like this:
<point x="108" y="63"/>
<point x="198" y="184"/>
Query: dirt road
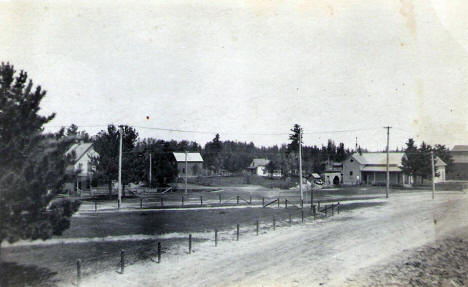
<point x="328" y="252"/>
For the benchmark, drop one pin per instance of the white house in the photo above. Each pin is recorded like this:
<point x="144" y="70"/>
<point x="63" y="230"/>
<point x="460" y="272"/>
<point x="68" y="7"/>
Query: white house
<point x="371" y="168"/>
<point x="82" y="163"/>
<point x="259" y="167"/>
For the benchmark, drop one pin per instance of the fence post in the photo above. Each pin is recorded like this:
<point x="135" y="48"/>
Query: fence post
<point x="274" y="223"/>
<point x="216" y="236"/>
<point x="182" y="200"/>
<point x="118" y="204"/>
<point x="159" y="252"/>
<point x="338" y="207"/>
<point x="326" y="210"/>
<point x="95" y="206"/>
<point x="219" y="198"/>
<point x="290" y="220"/>
<point x="78" y="272"/>
<point x="237" y="231"/>
<point x="311" y="198"/>
<point x="318" y="207"/>
<point x="141" y="202"/>
<point x="122" y="261"/>
<point x="250" y="200"/>
<point x="237" y="200"/>
<point x="333" y="206"/>
<point x="190" y="244"/>
<point x="257" y="227"/>
<point x="302" y="203"/>
<point x="302" y="215"/>
<point x="286" y="203"/>
<point x="314" y="211"/>
<point x="263" y="201"/>
<point x="201" y="200"/>
<point x="278" y="202"/>
<point x="162" y="203"/>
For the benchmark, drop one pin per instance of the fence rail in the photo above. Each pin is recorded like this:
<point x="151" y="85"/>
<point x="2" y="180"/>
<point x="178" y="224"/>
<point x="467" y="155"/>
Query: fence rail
<point x="123" y="260"/>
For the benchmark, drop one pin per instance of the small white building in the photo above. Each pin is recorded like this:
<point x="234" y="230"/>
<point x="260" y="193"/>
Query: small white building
<point x="259" y="167"/>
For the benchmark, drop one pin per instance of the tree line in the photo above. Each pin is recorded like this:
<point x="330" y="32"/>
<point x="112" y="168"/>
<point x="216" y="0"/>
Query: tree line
<point x="219" y="156"/>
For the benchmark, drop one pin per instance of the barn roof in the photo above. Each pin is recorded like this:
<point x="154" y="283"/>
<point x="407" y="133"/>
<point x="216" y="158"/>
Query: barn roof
<point x="191" y="157"/>
<point x="460" y="148"/>
<point x="379" y="158"/>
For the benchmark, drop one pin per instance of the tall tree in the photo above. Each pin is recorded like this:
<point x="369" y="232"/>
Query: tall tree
<point x="32" y="164"/>
<point x="417" y="161"/>
<point x="107" y="145"/>
<point x="293" y="146"/>
<point x="212" y="154"/>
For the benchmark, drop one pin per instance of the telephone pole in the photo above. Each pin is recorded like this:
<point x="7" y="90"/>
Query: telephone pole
<point x="186" y="166"/>
<point x="433" y="173"/>
<point x="120" y="168"/>
<point x="300" y="163"/>
<point x="388" y="170"/>
<point x="150" y="167"/>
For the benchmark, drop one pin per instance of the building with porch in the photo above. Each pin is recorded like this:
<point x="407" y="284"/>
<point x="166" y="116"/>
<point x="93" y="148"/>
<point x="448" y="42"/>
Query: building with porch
<point x="371" y="168"/>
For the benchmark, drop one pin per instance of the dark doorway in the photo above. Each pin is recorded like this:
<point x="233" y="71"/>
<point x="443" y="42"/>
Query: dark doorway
<point x="336" y="180"/>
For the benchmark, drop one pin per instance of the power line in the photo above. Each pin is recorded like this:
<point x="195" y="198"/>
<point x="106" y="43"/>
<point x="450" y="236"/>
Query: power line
<point x="220" y="132"/>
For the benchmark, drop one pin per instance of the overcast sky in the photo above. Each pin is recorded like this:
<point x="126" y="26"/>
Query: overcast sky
<point x="249" y="67"/>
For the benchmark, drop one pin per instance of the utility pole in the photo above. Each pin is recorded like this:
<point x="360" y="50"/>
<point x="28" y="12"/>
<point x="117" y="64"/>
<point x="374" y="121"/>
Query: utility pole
<point x="388" y="170"/>
<point x="120" y="168"/>
<point x="433" y="173"/>
<point x="150" y="167"/>
<point x="186" y="166"/>
<point x="300" y="163"/>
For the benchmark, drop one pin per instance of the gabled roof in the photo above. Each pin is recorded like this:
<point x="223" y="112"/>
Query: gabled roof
<point x="80" y="150"/>
<point x="191" y="157"/>
<point x="256" y="162"/>
<point x="374" y="159"/>
<point x="379" y="158"/>
<point x="460" y="148"/>
<point x="439" y="162"/>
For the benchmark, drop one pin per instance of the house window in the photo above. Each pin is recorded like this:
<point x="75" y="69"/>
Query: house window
<point x="351" y="173"/>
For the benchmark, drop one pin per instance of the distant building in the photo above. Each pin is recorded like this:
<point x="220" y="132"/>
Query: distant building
<point x="371" y="168"/>
<point x="194" y="163"/>
<point x="82" y="163"/>
<point x="259" y="167"/>
<point x="333" y="173"/>
<point x="459" y="169"/>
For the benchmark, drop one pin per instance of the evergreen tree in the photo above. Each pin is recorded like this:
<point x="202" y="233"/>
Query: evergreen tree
<point x="212" y="154"/>
<point x="417" y="161"/>
<point x="293" y="146"/>
<point x="32" y="164"/>
<point x="107" y="146"/>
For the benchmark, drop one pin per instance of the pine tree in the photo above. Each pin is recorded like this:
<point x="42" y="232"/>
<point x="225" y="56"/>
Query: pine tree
<point x="107" y="145"/>
<point x="32" y="164"/>
<point x="293" y="146"/>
